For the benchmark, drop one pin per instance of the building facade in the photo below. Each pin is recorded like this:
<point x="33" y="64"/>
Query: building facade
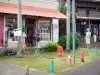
<point x="89" y="16"/>
<point x="43" y="15"/>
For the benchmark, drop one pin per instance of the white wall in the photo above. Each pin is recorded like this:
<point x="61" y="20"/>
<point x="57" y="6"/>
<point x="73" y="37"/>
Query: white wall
<point x="35" y="3"/>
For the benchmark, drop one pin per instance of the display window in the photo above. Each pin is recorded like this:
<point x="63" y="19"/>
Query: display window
<point x="11" y="24"/>
<point x="44" y="29"/>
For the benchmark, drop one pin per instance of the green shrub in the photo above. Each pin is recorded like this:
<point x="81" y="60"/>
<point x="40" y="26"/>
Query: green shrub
<point x="4" y="53"/>
<point x="62" y="42"/>
<point x="51" y="47"/>
<point x="98" y="39"/>
<point x="77" y="43"/>
<point x="78" y="35"/>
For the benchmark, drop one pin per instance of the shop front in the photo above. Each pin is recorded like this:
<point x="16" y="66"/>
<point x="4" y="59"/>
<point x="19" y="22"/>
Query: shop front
<point x="44" y="21"/>
<point x="39" y="29"/>
<point x="42" y="25"/>
<point x="94" y="26"/>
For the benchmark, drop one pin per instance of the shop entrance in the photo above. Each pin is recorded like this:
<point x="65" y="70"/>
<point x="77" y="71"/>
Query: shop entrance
<point x="30" y="26"/>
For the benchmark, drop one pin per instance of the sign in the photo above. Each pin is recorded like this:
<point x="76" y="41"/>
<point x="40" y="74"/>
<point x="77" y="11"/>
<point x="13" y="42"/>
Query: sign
<point x="24" y="35"/>
<point x="23" y="29"/>
<point x="17" y="32"/>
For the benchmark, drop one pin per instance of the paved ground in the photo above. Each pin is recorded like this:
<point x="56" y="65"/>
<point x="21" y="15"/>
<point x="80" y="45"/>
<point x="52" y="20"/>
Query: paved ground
<point x="6" y="69"/>
<point x="92" y="68"/>
<point x="92" y="45"/>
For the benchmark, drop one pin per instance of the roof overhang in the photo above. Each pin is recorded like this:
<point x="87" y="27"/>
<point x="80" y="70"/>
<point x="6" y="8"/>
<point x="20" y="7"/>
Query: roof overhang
<point x="28" y="10"/>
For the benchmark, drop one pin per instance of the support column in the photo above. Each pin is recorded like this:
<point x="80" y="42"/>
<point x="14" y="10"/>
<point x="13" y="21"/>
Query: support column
<point x="19" y="53"/>
<point x="55" y="30"/>
<point x="68" y="25"/>
<point x="89" y="24"/>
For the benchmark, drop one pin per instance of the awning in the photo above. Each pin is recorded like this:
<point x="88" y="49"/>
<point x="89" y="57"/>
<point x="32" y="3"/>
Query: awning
<point x="28" y="10"/>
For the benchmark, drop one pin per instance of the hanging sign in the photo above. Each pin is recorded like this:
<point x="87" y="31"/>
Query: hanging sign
<point x="23" y="29"/>
<point x="24" y="34"/>
<point x="17" y="32"/>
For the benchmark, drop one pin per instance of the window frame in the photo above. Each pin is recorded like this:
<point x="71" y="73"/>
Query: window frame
<point x="49" y="30"/>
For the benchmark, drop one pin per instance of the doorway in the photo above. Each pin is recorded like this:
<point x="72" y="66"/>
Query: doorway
<point x="30" y="25"/>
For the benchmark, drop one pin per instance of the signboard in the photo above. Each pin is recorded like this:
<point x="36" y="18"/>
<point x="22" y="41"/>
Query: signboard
<point x="23" y="29"/>
<point x="24" y="35"/>
<point x="17" y="32"/>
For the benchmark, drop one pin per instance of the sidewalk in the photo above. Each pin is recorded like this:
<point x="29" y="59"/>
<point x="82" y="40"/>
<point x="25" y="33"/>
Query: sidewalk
<point x="92" y="45"/>
<point x="7" y="69"/>
<point x="92" y="68"/>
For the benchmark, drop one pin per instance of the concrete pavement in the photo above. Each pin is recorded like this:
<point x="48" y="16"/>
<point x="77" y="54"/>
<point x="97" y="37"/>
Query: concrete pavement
<point x="7" y="69"/>
<point x="92" y="68"/>
<point x="93" y="45"/>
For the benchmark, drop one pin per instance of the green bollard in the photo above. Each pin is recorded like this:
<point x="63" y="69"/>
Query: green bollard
<point x="95" y="51"/>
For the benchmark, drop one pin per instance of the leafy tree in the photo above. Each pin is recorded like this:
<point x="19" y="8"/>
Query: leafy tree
<point x="63" y="10"/>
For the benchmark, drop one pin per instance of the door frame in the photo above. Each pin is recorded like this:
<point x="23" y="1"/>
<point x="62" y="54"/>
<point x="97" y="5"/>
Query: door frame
<point x="3" y="37"/>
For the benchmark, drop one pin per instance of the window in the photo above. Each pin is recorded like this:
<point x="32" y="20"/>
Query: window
<point x="45" y="30"/>
<point x="11" y="24"/>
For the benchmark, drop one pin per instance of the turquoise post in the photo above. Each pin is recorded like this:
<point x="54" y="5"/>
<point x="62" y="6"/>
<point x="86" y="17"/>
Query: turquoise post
<point x="51" y="66"/>
<point x="95" y="51"/>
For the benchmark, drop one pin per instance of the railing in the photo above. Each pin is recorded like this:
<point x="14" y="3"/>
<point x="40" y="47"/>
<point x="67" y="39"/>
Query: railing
<point x="94" y="13"/>
<point x="82" y="12"/>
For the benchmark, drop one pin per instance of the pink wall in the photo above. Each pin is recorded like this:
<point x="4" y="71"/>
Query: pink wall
<point x="1" y="30"/>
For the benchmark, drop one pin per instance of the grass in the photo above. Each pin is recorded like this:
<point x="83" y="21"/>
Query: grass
<point x="43" y="62"/>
